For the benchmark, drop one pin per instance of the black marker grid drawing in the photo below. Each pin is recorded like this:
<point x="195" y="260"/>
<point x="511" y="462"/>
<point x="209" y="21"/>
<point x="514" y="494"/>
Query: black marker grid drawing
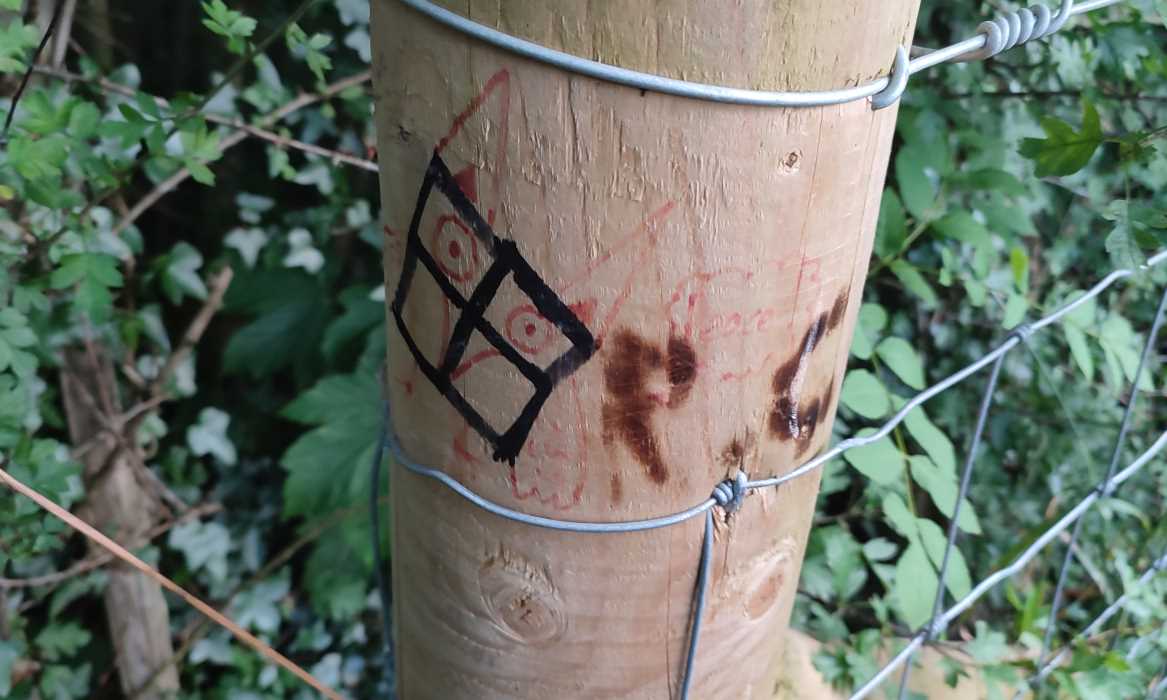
<point x="507" y="261"/>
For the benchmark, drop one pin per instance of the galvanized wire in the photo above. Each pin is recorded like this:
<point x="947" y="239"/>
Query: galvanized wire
<point x="1048" y="666"/>
<point x="729" y="494"/>
<point x="1105" y="486"/>
<point x="1010" y="29"/>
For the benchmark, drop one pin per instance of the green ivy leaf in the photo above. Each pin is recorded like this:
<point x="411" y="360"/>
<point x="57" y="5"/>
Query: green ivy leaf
<point x="872" y="320"/>
<point x="1064" y="150"/>
<point x="209" y="436"/>
<point x="15" y="39"/>
<point x="988" y="646"/>
<point x="40" y="158"/>
<point x="1015" y="308"/>
<point x="913" y="281"/>
<point x="992" y="179"/>
<point x="915" y="585"/>
<point x="943" y="489"/>
<point x="891" y="230"/>
<point x="957" y="579"/>
<point x="879" y="549"/>
<point x="961" y="226"/>
<point x="1120" y="244"/>
<point x="1019" y="264"/>
<point x="205" y="546"/>
<point x="61" y="639"/>
<point x="258" y="607"/>
<point x="300" y="311"/>
<point x="864" y="394"/>
<point x="361" y="316"/>
<point x="916" y="189"/>
<point x="10" y="651"/>
<point x="338" y="570"/>
<point x="180" y="273"/>
<point x="1080" y="350"/>
<point x="933" y="440"/>
<point x="881" y="461"/>
<point x="94" y="274"/>
<point x="235" y="26"/>
<point x="901" y="358"/>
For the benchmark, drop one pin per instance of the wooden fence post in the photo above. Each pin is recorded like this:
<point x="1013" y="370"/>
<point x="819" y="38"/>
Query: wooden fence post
<point x="602" y="303"/>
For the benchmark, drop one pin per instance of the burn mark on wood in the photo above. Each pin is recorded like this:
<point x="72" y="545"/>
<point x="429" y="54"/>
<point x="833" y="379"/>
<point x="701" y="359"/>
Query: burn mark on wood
<point x="628" y="412"/>
<point x="681" y="370"/>
<point x="735" y="453"/>
<point x="838" y="310"/>
<point x="629" y="404"/>
<point x="792" y="418"/>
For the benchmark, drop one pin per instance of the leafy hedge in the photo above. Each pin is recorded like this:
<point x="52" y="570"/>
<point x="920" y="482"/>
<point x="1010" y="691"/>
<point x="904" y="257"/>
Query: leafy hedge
<point x="1015" y="184"/>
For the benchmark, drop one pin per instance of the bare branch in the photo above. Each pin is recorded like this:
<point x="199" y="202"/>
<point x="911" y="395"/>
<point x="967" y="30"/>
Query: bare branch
<point x="169" y="184"/>
<point x="91" y="563"/>
<point x="194" y="332"/>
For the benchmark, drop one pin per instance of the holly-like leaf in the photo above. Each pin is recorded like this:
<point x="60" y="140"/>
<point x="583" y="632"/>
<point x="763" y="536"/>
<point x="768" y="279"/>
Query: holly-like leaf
<point x="1065" y="150"/>
<point x="209" y="436"/>
<point x="180" y="274"/>
<point x="327" y="466"/>
<point x="94" y="274"/>
<point x="235" y="26"/>
<point x="61" y="639"/>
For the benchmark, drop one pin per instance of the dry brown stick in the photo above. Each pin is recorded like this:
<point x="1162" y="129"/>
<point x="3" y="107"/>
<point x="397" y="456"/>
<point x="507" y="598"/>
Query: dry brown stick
<point x="252" y="130"/>
<point x="169" y="184"/>
<point x="91" y="563"/>
<point x="126" y="556"/>
<point x="194" y="332"/>
<point x="196" y="631"/>
<point x="286" y="142"/>
<point x="217" y="288"/>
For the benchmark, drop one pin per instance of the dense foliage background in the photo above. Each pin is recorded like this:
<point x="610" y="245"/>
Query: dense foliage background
<point x="1015" y="183"/>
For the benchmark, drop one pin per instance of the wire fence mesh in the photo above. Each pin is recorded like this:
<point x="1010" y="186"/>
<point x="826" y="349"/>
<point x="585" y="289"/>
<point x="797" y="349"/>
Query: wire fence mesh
<point x="728" y="495"/>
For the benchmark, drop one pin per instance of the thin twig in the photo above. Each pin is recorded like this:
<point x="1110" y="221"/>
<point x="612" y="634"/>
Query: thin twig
<point x="169" y="184"/>
<point x="200" y="627"/>
<point x="250" y="55"/>
<point x="31" y="67"/>
<point x="97" y="537"/>
<point x="91" y="563"/>
<point x="252" y="130"/>
<point x="194" y="332"/>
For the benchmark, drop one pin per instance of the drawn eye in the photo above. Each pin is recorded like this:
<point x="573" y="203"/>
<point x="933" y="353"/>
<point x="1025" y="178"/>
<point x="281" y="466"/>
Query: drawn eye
<point x="528" y="330"/>
<point x="455" y="249"/>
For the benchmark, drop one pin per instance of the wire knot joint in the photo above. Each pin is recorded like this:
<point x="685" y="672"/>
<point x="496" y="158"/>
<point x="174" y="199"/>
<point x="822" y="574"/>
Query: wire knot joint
<point x="1021" y="332"/>
<point x="897" y="81"/>
<point x="1015" y="28"/>
<point x="935" y="628"/>
<point x="730" y="493"/>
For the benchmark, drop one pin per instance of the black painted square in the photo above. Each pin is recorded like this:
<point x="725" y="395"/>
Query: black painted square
<point x="507" y="261"/>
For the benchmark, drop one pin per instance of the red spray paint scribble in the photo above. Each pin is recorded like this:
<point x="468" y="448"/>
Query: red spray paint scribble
<point x="552" y="451"/>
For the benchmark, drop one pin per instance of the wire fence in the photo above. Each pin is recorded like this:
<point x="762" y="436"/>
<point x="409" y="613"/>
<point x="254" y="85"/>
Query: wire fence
<point x="729" y="494"/>
<point x="993" y="37"/>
